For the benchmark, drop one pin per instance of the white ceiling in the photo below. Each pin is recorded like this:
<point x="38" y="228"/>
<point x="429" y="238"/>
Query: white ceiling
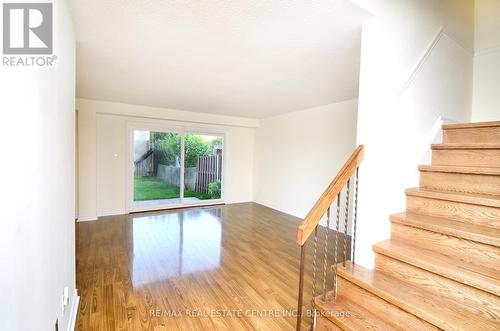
<point x="252" y="58"/>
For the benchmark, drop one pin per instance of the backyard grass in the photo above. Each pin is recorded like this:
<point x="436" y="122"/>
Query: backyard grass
<point x="152" y="188"/>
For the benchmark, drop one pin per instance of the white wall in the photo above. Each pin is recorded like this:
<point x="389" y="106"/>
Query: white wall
<point x="486" y="92"/>
<point x="412" y="74"/>
<point x="37" y="243"/>
<point x="298" y="154"/>
<point x="103" y="152"/>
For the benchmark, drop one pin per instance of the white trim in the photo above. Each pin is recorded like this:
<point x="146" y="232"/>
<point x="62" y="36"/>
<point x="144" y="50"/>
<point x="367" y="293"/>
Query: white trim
<point x="154" y="126"/>
<point x="129" y="161"/>
<point x="181" y="171"/>
<point x="112" y="213"/>
<point x="435" y="136"/>
<point x="425" y="56"/>
<point x="448" y="120"/>
<point x="74" y="311"/>
<point x="487" y="51"/>
<point x="87" y="218"/>
<point x="202" y="203"/>
<point x="158" y="113"/>
<point x="459" y="43"/>
<point x="420" y="63"/>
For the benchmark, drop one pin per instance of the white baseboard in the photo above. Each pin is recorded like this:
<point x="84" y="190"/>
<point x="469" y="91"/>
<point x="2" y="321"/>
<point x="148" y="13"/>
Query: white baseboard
<point x="112" y="213"/>
<point x="87" y="218"/>
<point x="74" y="311"/>
<point x="435" y="137"/>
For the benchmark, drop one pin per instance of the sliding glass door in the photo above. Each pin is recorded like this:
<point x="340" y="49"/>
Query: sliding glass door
<point x="175" y="168"/>
<point x="157" y="158"/>
<point x="202" y="166"/>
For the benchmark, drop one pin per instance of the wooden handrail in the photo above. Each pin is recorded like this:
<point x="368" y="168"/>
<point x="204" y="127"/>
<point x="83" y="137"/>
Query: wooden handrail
<point x="324" y="202"/>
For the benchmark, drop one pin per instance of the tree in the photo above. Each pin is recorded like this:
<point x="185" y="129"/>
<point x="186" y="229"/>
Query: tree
<point x="166" y="148"/>
<point x="194" y="148"/>
<point x="215" y="142"/>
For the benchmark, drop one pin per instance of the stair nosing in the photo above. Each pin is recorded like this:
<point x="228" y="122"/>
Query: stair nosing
<point x="461" y="169"/>
<point x="461" y="146"/>
<point x="406" y="218"/>
<point x="479" y="199"/>
<point x="393" y="298"/>
<point x="448" y="272"/>
<point x="457" y="126"/>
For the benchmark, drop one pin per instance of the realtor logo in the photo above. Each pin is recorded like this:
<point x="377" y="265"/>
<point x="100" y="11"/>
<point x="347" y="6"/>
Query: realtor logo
<point x="27" y="28"/>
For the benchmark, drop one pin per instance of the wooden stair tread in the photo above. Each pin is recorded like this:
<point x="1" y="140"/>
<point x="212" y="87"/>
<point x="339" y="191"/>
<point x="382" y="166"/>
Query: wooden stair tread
<point x="348" y="315"/>
<point x="473" y="255"/>
<point x="469" y="231"/>
<point x="482" y="278"/>
<point x="452" y="202"/>
<point x="471" y="125"/>
<point x="443" y="313"/>
<point x="477" y="302"/>
<point x="472" y="198"/>
<point x="381" y="308"/>
<point x="461" y="169"/>
<point x="465" y="146"/>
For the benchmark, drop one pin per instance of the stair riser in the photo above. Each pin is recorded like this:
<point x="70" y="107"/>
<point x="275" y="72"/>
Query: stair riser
<point x="467" y="157"/>
<point x="324" y="324"/>
<point x="469" y="183"/>
<point x="387" y="312"/>
<point x="448" y="270"/>
<point x="475" y="214"/>
<point x="478" y="254"/>
<point x="405" y="298"/>
<point x="476" y="301"/>
<point x="472" y="135"/>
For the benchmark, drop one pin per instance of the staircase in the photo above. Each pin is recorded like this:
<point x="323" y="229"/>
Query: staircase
<point x="441" y="267"/>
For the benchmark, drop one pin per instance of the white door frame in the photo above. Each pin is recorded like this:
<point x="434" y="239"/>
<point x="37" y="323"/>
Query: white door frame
<point x="131" y="205"/>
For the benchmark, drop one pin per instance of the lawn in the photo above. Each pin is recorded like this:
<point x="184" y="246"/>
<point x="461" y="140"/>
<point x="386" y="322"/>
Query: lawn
<point x="152" y="188"/>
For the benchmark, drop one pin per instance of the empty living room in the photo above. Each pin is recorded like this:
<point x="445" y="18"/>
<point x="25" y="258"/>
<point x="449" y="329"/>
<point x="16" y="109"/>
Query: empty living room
<point x="307" y="165"/>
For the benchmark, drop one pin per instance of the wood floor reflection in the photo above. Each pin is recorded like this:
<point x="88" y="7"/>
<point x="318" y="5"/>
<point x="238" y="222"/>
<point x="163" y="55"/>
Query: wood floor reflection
<point x="232" y="267"/>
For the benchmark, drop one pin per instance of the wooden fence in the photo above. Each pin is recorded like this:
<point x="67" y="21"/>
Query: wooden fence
<point x="144" y="166"/>
<point x="209" y="170"/>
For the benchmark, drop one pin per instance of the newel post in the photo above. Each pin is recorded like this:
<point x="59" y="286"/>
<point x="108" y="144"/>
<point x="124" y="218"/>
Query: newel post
<point x="301" y="285"/>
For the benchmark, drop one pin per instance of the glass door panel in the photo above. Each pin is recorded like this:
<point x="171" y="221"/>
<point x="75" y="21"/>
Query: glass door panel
<point x="157" y="167"/>
<point x="202" y="167"/>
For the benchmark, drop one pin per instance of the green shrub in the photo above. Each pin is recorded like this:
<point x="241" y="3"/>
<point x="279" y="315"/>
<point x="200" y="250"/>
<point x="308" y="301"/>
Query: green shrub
<point x="166" y="146"/>
<point x="214" y="189"/>
<point x="195" y="147"/>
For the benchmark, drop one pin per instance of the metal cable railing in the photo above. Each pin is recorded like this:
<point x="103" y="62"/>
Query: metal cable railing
<point x="310" y="227"/>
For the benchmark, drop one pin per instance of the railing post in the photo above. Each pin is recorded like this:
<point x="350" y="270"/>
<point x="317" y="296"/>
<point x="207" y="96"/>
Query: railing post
<point x="346" y="223"/>
<point x="325" y="256"/>
<point x="315" y="269"/>
<point x="335" y="257"/>
<point x="301" y="286"/>
<point x="310" y="225"/>
<point x="355" y="217"/>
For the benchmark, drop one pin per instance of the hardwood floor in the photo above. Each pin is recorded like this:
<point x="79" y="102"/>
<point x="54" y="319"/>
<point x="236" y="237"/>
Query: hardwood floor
<point x="232" y="267"/>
